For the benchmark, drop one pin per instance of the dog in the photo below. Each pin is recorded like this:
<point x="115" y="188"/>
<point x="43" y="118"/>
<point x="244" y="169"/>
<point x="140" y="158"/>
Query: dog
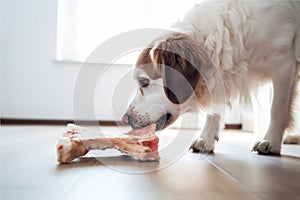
<point x="218" y="52"/>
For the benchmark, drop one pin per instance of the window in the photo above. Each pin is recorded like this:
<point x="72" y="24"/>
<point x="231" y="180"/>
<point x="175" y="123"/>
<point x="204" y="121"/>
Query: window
<point x="82" y="25"/>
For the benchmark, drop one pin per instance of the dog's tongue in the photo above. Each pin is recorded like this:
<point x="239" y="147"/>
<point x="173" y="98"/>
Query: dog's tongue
<point x="150" y="129"/>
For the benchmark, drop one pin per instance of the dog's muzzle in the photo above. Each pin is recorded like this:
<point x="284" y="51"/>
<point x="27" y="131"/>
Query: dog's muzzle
<point x="127" y="119"/>
<point x="162" y="122"/>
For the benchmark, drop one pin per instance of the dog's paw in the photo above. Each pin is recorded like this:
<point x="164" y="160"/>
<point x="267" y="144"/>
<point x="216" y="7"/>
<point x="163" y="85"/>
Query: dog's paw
<point x="266" y="147"/>
<point x="202" y="145"/>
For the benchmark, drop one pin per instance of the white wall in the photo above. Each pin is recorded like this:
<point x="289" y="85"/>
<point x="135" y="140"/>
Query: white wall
<point x="33" y="85"/>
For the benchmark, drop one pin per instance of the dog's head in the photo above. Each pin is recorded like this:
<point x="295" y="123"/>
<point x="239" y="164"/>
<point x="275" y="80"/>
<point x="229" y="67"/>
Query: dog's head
<point x="167" y="73"/>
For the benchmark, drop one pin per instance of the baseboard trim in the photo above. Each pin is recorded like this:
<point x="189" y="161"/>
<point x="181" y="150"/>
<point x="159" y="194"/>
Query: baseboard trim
<point x="233" y="126"/>
<point x="8" y="121"/>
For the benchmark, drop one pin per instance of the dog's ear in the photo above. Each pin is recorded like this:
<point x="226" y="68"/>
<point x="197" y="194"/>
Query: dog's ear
<point x="179" y="58"/>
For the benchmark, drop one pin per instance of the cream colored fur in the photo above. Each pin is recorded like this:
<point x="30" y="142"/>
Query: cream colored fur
<point x="248" y="43"/>
<point x="239" y="35"/>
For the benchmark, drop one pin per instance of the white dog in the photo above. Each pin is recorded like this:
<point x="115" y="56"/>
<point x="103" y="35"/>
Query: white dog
<point x="220" y="51"/>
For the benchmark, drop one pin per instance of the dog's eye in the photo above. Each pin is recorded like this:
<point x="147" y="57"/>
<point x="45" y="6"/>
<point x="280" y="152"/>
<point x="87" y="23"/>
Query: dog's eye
<point x="144" y="82"/>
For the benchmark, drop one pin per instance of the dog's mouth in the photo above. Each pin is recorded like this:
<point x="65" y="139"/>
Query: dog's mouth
<point x="163" y="121"/>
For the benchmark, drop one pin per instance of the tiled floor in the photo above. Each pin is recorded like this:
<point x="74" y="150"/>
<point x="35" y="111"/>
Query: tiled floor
<point x="29" y="170"/>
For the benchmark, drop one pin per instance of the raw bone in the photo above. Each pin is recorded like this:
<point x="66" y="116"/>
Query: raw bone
<point x="141" y="144"/>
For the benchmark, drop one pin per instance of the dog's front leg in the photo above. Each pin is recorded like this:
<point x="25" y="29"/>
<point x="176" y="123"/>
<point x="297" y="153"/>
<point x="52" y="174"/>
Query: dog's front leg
<point x="209" y="135"/>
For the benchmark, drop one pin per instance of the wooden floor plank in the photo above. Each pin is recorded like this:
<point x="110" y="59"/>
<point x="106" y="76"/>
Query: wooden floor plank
<point x="267" y="177"/>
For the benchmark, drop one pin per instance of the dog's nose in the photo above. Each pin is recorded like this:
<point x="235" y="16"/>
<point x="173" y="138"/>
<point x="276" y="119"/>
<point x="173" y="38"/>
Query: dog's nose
<point x="125" y="119"/>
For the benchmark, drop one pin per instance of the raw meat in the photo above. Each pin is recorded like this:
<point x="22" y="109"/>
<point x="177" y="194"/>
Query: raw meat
<point x="141" y="144"/>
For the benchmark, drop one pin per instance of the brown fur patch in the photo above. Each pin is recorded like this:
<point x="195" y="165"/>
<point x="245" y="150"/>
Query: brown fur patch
<point x="179" y="57"/>
<point x="145" y="62"/>
<point x="183" y="57"/>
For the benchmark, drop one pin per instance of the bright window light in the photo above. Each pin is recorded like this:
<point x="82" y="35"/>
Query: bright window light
<point x="82" y="25"/>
